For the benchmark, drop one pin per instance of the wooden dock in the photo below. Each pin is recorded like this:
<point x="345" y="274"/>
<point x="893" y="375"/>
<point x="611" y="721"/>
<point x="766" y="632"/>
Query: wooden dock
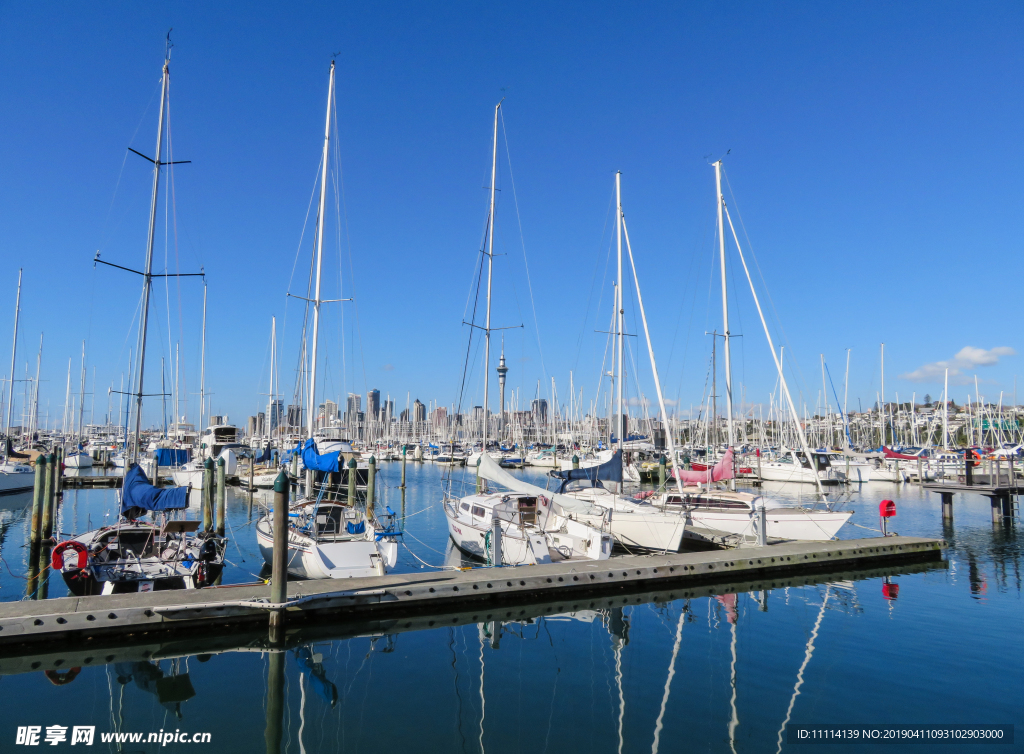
<point x="1002" y="492"/>
<point x="213" y="640"/>
<point x="150" y="614"/>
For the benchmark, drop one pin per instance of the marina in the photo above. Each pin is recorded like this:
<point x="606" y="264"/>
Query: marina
<point x="365" y="442"/>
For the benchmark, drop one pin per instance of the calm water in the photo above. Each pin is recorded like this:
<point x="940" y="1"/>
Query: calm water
<point x="720" y="673"/>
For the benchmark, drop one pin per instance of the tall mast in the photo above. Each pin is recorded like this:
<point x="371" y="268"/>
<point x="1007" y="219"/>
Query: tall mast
<point x="35" y="397"/>
<point x="882" y="397"/>
<point x="311" y="415"/>
<point x="490" y="268"/>
<point x="67" y="401"/>
<point x="725" y="310"/>
<point x="618" y="310"/>
<point x="147" y="278"/>
<point x="81" y="395"/>
<point x="945" y="413"/>
<point x="202" y="367"/>
<point x="14" y="353"/>
<point x="267" y="424"/>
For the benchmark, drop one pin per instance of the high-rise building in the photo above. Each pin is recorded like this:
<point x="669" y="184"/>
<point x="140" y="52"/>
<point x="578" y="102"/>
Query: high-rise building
<point x="404" y="416"/>
<point x="276" y="414"/>
<point x="253" y="425"/>
<point x="539" y="409"/>
<point x="373" y="405"/>
<point x="353" y="409"/>
<point x="330" y="412"/>
<point x="419" y="411"/>
<point x="295" y="417"/>
<point x="439" y="417"/>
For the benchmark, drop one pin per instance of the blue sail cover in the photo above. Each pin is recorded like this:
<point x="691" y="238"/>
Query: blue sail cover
<point x="266" y="455"/>
<point x="609" y="471"/>
<point x="316" y="462"/>
<point x="139" y="496"/>
<point x="173" y="456"/>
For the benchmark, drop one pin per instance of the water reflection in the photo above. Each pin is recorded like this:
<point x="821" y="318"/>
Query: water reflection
<point x="602" y="673"/>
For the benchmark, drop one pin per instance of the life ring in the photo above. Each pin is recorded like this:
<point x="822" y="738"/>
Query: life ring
<point x="57" y="557"/>
<point x="62" y="679"/>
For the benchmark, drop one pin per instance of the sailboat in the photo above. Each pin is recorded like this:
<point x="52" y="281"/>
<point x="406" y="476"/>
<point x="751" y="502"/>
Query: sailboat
<point x="133" y="555"/>
<point x="738" y="512"/>
<point x="525" y="525"/>
<point x="328" y="538"/>
<point x="14" y="475"/>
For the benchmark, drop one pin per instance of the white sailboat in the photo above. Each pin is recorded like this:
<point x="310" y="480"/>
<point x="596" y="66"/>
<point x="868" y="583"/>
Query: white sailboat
<point x="14" y="475"/>
<point x="328" y="539"/>
<point x="524" y="526"/>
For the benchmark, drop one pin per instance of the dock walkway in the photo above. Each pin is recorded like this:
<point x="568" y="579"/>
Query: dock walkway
<point x="142" y="615"/>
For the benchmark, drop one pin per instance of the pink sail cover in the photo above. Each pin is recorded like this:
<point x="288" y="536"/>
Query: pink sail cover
<point x="721" y="472"/>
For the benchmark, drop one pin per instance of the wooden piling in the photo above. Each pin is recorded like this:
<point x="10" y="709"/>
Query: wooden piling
<point x="947" y="506"/>
<point x="662" y="471"/>
<point x="252" y="471"/>
<point x="49" y="498"/>
<point x="222" y="494"/>
<point x="208" y="495"/>
<point x="479" y="481"/>
<point x="371" y="482"/>
<point x="37" y="501"/>
<point x="279" y="564"/>
<point x="352" y="480"/>
<point x="575" y="461"/>
<point x="59" y="471"/>
<point x="404" y="449"/>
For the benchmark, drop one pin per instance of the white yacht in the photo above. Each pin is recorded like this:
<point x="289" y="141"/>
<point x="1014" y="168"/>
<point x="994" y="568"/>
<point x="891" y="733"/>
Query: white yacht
<point x="792" y="466"/>
<point x="534" y="525"/>
<point x="738" y="513"/>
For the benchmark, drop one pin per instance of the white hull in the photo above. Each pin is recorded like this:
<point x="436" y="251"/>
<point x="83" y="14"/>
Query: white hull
<point x="13" y="479"/>
<point x="783" y="523"/>
<point x="788" y="472"/>
<point x="516" y="549"/>
<point x="650" y="530"/>
<point x="186" y="477"/>
<point x="78" y="461"/>
<point x="346" y="559"/>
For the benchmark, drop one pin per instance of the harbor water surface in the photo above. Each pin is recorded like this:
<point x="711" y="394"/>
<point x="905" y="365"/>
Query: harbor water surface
<point x="631" y="673"/>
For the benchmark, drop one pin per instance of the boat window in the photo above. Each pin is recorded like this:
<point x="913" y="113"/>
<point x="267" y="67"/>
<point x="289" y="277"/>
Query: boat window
<point x="478" y="511"/>
<point x="674" y="499"/>
<point x="465" y="506"/>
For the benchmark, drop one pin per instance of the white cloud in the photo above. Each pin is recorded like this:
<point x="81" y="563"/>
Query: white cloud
<point x="388" y="368"/>
<point x="966" y="358"/>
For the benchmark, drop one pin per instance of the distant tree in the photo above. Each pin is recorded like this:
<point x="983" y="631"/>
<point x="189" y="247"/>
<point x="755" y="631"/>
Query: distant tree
<point x="927" y="399"/>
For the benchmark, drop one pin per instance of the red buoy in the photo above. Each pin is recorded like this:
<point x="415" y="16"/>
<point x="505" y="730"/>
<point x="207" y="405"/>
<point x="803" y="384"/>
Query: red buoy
<point x="887" y="509"/>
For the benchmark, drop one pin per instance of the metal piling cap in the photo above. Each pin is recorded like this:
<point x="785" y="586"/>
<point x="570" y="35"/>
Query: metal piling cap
<point x="352" y="462"/>
<point x="281" y="483"/>
<point x="220" y="460"/>
<point x="209" y="463"/>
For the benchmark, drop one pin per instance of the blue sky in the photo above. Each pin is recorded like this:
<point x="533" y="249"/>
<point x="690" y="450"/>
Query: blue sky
<point x="874" y="154"/>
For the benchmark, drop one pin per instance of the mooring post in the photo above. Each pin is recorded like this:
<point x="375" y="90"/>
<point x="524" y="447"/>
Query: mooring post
<point x="920" y="471"/>
<point x="575" y="461"/>
<point x="38" y="501"/>
<point x="404" y="449"/>
<point x="968" y="469"/>
<point x="495" y="541"/>
<point x="252" y="464"/>
<point x="279" y="565"/>
<point x="371" y="481"/>
<point x="762" y="525"/>
<point x="43" y="591"/>
<point x="208" y="495"/>
<point x="352" y="480"/>
<point x="662" y="471"/>
<point x="997" y="509"/>
<point x="49" y="499"/>
<point x="479" y="481"/>
<point x="222" y="495"/>
<point x="59" y="471"/>
<point x="947" y="506"/>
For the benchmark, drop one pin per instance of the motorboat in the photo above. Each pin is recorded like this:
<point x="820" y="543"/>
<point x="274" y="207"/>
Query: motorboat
<point x="16" y="476"/>
<point x="793" y="467"/>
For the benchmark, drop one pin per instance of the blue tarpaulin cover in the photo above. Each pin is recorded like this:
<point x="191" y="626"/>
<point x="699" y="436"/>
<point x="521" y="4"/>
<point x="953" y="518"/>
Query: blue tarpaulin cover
<point x="266" y="455"/>
<point x="316" y="462"/>
<point x="609" y="471"/>
<point x="139" y="496"/>
<point x="173" y="456"/>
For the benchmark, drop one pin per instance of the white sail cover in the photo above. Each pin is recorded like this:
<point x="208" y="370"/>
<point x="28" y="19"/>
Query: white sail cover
<point x="492" y="472"/>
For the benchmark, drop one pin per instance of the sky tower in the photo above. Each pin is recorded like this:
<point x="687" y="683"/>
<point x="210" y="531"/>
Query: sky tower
<point x="502" y="371"/>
